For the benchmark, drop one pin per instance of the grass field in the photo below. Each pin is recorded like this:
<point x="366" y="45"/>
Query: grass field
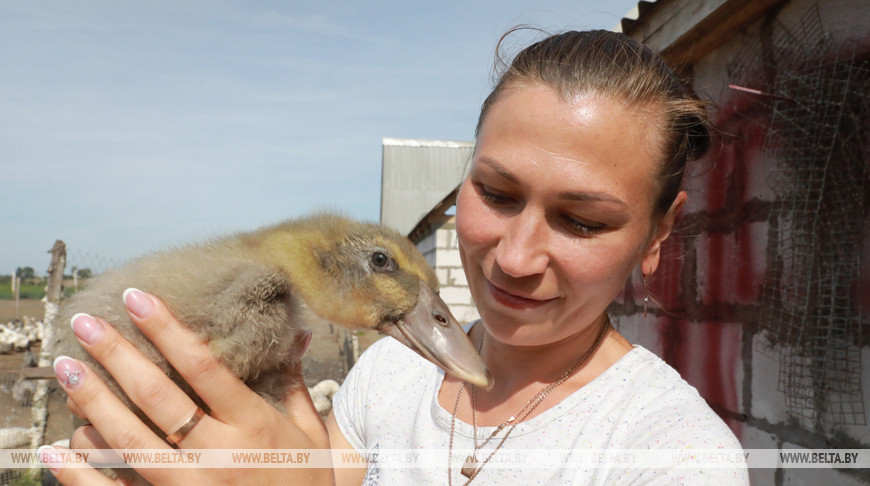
<point x="26" y="292"/>
<point x="34" y="291"/>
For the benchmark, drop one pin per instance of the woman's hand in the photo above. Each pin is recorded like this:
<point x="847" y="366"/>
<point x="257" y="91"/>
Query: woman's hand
<point x="238" y="418"/>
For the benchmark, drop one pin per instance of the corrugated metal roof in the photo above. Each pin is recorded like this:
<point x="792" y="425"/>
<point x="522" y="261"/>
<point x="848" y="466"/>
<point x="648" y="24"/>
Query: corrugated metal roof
<point x="419" y="142"/>
<point x="633" y="16"/>
<point x="417" y="175"/>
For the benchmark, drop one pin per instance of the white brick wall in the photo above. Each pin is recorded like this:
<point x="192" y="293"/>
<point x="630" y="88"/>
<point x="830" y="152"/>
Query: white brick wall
<point x="862" y="432"/>
<point x="753" y="438"/>
<point x="427" y="244"/>
<point x="428" y="249"/>
<point x="448" y="257"/>
<point x="641" y="330"/>
<point x="455" y="295"/>
<point x="446" y="238"/>
<point x="465" y="313"/>
<point x="441" y="251"/>
<point x="443" y="275"/>
<point x="768" y="402"/>
<point x="457" y="277"/>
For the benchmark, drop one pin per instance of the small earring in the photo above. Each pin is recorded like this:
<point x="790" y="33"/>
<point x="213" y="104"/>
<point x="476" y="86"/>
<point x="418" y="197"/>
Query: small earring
<point x="646" y="294"/>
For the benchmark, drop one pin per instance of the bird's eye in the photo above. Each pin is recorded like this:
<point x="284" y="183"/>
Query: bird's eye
<point x="380" y="260"/>
<point x="441" y="319"/>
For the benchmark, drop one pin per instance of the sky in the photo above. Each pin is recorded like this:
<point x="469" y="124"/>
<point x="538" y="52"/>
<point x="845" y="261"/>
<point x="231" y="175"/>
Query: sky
<point x="131" y="126"/>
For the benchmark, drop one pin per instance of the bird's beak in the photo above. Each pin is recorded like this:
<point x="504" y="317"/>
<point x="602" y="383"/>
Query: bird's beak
<point x="432" y="331"/>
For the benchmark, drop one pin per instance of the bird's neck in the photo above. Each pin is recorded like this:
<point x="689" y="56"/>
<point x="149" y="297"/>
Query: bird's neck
<point x="299" y="259"/>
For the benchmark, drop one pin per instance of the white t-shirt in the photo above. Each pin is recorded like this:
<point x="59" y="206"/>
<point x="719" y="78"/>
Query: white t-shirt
<point x="389" y="401"/>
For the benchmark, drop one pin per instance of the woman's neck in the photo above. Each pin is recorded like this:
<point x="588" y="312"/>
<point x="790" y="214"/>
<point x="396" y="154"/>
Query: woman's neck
<point x="519" y="370"/>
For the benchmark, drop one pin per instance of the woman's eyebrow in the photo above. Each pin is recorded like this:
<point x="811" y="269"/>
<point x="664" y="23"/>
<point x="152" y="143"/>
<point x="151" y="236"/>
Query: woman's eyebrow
<point x="499" y="169"/>
<point x="592" y="197"/>
<point x="584" y="196"/>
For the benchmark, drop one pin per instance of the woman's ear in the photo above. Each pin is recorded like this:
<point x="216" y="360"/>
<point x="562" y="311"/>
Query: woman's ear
<point x="664" y="225"/>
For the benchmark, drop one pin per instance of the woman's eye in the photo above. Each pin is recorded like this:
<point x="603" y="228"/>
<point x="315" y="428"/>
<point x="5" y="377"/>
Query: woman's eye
<point x="491" y="197"/>
<point x="582" y="228"/>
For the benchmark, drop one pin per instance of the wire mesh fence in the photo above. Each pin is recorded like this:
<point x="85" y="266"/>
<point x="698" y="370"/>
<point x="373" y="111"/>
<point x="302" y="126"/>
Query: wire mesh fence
<point x="816" y="96"/>
<point x="34" y="407"/>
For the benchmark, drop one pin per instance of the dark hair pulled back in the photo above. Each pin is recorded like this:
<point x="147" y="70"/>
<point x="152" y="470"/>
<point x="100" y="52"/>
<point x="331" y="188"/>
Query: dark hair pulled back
<point x="613" y="64"/>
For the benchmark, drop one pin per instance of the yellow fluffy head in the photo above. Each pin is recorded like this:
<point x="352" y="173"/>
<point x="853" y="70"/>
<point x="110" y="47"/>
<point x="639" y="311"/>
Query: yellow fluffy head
<point x="358" y="275"/>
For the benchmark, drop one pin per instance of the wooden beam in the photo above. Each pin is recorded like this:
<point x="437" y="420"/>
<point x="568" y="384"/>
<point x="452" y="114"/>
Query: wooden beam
<point x="685" y="31"/>
<point x="434" y="217"/>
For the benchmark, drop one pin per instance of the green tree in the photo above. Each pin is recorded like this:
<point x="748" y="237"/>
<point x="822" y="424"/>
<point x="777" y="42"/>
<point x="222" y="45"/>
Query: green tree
<point x="25" y="272"/>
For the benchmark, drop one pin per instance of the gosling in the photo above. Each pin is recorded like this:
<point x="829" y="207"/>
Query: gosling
<point x="250" y="295"/>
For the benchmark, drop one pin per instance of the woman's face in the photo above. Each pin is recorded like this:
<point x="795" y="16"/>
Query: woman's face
<point x="556" y="211"/>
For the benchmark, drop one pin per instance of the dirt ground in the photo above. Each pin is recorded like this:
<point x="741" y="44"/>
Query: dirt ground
<point x="26" y="307"/>
<point x="325" y="359"/>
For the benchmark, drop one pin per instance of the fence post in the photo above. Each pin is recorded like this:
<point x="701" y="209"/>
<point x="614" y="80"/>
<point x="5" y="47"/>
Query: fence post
<point x="53" y="295"/>
<point x="16" y="290"/>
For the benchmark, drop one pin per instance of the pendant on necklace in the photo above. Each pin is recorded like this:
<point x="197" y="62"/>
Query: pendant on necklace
<point x="470" y="466"/>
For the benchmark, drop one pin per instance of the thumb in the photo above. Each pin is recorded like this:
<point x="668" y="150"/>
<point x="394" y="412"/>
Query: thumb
<point x="297" y="402"/>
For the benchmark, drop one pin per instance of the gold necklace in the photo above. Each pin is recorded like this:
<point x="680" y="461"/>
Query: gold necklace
<point x="472" y="467"/>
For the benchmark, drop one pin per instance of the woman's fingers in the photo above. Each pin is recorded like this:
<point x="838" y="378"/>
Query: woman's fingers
<point x="69" y="468"/>
<point x="121" y="428"/>
<point x="298" y="402"/>
<point x="301" y="410"/>
<point x="100" y="453"/>
<point x="88" y="437"/>
<point x="143" y="381"/>
<point x="229" y="399"/>
<point x="78" y="412"/>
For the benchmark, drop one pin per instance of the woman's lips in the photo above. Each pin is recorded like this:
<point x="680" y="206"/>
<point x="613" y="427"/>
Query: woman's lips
<point x="514" y="301"/>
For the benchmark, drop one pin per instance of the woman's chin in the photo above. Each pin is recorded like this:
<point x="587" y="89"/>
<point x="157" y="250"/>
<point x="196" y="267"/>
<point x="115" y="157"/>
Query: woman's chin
<point x="516" y="327"/>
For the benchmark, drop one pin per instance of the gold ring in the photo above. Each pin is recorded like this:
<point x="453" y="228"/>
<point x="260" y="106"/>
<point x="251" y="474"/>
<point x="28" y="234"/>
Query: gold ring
<point x="181" y="432"/>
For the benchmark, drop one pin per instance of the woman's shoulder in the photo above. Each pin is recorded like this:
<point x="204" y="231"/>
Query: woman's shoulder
<point x="388" y="373"/>
<point x="385" y="365"/>
<point x="666" y="407"/>
<point x="388" y="352"/>
<point x="662" y="411"/>
<point x="641" y="366"/>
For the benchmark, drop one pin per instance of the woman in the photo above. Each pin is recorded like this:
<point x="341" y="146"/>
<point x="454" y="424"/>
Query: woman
<point x="574" y="185"/>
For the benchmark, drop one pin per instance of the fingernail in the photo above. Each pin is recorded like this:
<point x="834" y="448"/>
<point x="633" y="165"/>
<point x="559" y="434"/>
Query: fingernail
<point x="86" y="328"/>
<point x="138" y="303"/>
<point x="304" y="342"/>
<point x="50" y="458"/>
<point x="68" y="371"/>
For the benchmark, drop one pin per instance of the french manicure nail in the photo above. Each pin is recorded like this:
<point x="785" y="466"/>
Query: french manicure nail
<point x="138" y="303"/>
<point x="86" y="328"/>
<point x="50" y="457"/>
<point x="68" y="371"/>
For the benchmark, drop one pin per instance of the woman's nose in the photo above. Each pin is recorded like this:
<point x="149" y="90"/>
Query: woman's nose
<point x="522" y="250"/>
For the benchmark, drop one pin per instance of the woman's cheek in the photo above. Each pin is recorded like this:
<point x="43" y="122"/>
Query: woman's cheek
<point x="468" y="217"/>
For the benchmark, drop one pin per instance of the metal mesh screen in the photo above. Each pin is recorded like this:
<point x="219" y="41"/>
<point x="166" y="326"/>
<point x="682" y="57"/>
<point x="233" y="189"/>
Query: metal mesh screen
<point x="816" y="96"/>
